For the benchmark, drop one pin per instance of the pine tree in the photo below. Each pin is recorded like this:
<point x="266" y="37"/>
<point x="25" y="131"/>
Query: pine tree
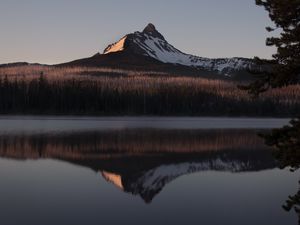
<point x="286" y="16"/>
<point x="286" y="62"/>
<point x="286" y="71"/>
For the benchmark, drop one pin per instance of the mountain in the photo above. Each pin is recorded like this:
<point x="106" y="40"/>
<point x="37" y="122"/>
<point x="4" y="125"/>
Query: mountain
<point x="150" y="50"/>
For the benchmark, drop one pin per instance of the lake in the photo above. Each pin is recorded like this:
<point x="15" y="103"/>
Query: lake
<point x="144" y="170"/>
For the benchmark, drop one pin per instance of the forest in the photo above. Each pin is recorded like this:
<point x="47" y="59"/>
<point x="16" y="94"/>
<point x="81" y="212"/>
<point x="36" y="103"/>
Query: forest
<point x="88" y="91"/>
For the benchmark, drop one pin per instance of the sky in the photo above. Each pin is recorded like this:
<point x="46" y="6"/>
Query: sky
<point x="57" y="31"/>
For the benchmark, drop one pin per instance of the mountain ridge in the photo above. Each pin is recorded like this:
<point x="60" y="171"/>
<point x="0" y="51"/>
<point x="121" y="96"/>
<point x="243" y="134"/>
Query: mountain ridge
<point x="149" y="48"/>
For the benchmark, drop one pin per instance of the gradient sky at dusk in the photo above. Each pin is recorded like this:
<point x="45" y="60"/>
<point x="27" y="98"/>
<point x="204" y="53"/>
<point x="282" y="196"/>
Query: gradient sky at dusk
<point x="62" y="30"/>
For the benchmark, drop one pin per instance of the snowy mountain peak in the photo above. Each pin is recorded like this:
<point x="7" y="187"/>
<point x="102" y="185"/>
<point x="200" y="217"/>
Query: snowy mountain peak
<point x="149" y="28"/>
<point x="151" y="43"/>
<point x="151" y="31"/>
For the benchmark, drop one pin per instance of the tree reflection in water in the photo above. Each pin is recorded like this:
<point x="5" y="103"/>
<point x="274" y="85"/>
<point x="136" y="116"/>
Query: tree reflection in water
<point x="287" y="152"/>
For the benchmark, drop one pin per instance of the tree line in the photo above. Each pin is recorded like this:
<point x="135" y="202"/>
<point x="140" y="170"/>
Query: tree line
<point x="138" y="96"/>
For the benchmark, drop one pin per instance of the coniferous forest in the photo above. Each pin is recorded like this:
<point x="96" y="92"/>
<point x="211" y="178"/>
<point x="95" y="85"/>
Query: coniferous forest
<point x="73" y="92"/>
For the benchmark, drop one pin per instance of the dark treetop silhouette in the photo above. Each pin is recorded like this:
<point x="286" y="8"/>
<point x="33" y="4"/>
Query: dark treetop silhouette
<point x="286" y="62"/>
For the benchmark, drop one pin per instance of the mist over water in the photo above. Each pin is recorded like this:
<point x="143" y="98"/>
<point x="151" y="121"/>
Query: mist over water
<point x="44" y="124"/>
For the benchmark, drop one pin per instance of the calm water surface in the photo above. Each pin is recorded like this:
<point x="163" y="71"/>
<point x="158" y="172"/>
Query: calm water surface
<point x="72" y="170"/>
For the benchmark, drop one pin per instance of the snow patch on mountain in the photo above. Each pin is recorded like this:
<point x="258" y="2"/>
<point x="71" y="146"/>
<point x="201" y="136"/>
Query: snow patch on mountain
<point x="164" y="52"/>
<point x="116" y="47"/>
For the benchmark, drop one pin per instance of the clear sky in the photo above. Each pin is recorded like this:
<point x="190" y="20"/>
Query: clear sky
<point x="54" y="31"/>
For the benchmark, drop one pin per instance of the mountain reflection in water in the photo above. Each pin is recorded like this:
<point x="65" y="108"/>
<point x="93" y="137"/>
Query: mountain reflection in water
<point x="143" y="161"/>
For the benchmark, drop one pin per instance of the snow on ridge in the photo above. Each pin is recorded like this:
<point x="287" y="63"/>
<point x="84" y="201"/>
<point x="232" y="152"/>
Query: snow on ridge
<point x="164" y="52"/>
<point x="116" y="47"/>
